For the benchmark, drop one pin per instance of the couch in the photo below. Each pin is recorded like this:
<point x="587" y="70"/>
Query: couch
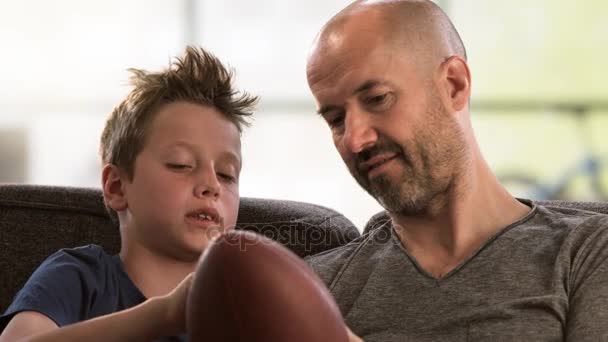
<point x="36" y="221"/>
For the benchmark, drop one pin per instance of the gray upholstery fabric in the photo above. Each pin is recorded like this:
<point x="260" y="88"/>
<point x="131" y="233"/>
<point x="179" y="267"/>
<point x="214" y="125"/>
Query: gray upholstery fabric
<point x="36" y="221"/>
<point x="600" y="207"/>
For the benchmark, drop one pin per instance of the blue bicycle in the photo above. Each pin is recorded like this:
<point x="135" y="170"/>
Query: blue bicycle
<point x="591" y="171"/>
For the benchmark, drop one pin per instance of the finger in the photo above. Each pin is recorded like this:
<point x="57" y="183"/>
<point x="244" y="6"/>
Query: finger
<point x="352" y="337"/>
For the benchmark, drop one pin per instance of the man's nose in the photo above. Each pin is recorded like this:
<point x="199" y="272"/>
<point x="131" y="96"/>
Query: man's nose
<point x="359" y="132"/>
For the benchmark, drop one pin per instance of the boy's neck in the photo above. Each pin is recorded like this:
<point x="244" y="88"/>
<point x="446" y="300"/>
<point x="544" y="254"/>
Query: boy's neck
<point x="152" y="273"/>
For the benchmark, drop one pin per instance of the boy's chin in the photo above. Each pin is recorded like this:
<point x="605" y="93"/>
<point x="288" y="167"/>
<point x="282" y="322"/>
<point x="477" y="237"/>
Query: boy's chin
<point x="192" y="250"/>
<point x="189" y="251"/>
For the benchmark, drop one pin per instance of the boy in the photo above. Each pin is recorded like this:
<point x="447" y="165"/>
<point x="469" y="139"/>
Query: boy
<point x="172" y="159"/>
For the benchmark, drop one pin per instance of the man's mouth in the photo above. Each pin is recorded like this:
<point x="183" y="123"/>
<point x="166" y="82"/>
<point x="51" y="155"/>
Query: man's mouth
<point x="375" y="162"/>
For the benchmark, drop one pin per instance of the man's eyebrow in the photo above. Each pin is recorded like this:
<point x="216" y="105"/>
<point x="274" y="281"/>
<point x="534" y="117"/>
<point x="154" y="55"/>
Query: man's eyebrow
<point x="364" y="87"/>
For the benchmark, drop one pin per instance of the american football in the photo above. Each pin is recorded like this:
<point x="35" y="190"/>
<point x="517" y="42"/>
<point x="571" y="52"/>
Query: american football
<point x="250" y="288"/>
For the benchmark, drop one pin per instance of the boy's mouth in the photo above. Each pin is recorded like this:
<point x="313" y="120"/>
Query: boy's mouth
<point x="204" y="216"/>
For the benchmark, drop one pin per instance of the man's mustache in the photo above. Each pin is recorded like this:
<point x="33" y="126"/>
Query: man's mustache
<point x="378" y="149"/>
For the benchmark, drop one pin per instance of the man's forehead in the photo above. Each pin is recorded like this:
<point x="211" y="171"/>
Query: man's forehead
<point x="353" y="29"/>
<point x="356" y="65"/>
<point x="339" y="48"/>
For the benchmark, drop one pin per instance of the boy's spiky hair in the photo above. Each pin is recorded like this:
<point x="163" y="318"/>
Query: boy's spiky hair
<point x="197" y="77"/>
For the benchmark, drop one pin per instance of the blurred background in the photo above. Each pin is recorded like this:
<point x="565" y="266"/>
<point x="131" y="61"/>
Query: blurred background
<point x="539" y="104"/>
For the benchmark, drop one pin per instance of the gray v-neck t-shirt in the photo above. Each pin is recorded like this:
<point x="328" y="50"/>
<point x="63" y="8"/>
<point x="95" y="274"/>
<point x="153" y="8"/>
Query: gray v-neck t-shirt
<point x="543" y="278"/>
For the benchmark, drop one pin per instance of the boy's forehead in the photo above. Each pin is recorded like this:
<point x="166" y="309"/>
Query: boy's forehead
<point x="192" y="125"/>
<point x="224" y="150"/>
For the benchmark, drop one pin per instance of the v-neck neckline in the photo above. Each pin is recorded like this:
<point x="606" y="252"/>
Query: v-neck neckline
<point x="468" y="260"/>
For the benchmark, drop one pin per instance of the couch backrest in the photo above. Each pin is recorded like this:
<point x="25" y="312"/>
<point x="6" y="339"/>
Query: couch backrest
<point x="599" y="207"/>
<point x="36" y="221"/>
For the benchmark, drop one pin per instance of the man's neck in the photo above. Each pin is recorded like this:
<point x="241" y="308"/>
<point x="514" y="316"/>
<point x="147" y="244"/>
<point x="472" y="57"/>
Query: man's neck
<point x="476" y="208"/>
<point x="152" y="273"/>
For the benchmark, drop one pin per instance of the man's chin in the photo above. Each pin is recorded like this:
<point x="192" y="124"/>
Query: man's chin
<point x="397" y="199"/>
<point x="385" y="185"/>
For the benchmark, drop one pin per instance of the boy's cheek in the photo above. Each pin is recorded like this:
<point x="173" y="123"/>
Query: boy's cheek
<point x="233" y="190"/>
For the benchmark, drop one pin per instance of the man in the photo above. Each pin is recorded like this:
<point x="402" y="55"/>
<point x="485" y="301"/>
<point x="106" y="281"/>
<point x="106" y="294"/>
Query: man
<point x="461" y="258"/>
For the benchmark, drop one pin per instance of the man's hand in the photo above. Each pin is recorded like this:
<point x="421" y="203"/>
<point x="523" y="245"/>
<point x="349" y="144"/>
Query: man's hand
<point x="352" y="337"/>
<point x="175" y="302"/>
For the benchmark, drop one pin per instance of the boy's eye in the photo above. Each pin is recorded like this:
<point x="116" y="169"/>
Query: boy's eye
<point x="227" y="177"/>
<point x="178" y="166"/>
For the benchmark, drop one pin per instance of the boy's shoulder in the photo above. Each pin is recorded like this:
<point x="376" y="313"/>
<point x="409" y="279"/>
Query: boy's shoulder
<point x="86" y="251"/>
<point x="75" y="284"/>
<point x="84" y="258"/>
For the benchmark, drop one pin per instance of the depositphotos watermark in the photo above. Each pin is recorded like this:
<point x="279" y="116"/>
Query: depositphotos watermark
<point x="301" y="237"/>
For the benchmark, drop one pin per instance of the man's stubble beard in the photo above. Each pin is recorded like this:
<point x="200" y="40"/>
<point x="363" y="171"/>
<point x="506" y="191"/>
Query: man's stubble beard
<point x="421" y="181"/>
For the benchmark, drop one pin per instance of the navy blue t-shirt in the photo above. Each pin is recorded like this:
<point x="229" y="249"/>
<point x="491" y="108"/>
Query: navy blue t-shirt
<point x="77" y="284"/>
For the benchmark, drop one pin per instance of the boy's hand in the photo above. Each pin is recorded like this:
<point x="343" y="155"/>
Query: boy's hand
<point x="352" y="337"/>
<point x="176" y="305"/>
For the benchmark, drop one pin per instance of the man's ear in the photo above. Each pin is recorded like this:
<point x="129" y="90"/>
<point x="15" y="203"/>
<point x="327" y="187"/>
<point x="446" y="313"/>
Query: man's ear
<point x="454" y="80"/>
<point x="114" y="193"/>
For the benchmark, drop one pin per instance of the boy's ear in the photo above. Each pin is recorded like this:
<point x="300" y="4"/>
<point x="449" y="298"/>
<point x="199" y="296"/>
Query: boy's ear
<point x="114" y="193"/>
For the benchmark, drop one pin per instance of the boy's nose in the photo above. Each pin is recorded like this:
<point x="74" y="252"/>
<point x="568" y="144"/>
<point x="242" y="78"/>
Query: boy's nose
<point x="207" y="187"/>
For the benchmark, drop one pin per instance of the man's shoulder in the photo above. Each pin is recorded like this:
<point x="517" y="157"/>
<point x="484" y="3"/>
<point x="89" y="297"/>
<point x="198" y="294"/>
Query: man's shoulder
<point x="329" y="264"/>
<point x="337" y="254"/>
<point x="574" y="220"/>
<point x="575" y="232"/>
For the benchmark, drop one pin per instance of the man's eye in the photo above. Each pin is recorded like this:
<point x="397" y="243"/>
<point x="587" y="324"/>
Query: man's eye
<point x="378" y="99"/>
<point x="335" y="120"/>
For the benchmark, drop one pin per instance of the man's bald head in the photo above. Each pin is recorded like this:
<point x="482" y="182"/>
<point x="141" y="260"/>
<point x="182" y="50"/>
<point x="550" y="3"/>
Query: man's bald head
<point x="420" y="26"/>
<point x="391" y="81"/>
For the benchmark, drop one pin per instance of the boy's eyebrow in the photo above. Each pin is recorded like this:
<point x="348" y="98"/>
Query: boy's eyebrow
<point x="364" y="87"/>
<point x="182" y="144"/>
<point x="230" y="155"/>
